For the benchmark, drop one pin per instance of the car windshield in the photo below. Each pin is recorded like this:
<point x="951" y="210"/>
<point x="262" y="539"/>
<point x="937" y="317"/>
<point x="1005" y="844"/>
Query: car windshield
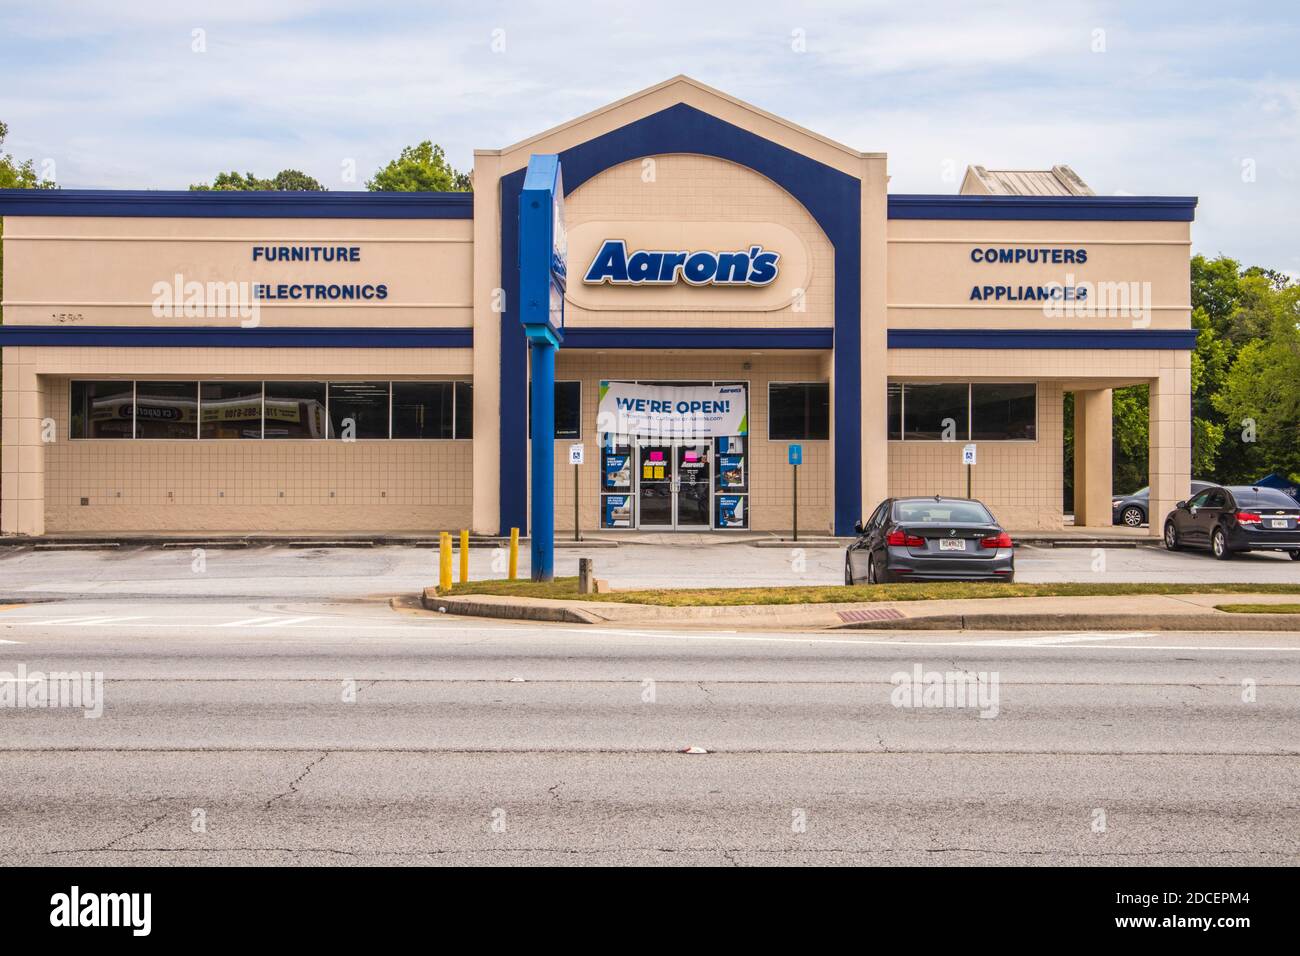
<point x="969" y="512"/>
<point x="1262" y="498"/>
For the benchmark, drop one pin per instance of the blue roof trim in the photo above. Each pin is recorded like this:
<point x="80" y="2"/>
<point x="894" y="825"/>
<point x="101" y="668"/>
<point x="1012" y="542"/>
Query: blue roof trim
<point x="697" y="338"/>
<point x="153" y="336"/>
<point x="1065" y="208"/>
<point x="1041" y="339"/>
<point x="223" y="204"/>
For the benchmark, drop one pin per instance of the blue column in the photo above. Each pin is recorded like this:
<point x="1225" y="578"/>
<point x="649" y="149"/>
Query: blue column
<point x="543" y="508"/>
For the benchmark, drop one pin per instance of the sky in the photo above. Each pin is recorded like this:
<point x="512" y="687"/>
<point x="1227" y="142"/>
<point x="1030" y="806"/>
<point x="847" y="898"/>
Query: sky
<point x="1151" y="98"/>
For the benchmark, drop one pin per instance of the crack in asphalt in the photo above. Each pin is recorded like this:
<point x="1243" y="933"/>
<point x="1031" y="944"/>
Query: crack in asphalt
<point x="728" y="853"/>
<point x="110" y="845"/>
<point x="293" y="784"/>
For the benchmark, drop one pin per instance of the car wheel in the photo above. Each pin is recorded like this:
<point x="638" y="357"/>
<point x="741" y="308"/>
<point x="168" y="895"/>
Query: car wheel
<point x="1171" y="536"/>
<point x="1295" y="555"/>
<point x="1219" y="545"/>
<point x="1133" y="516"/>
<point x="848" y="571"/>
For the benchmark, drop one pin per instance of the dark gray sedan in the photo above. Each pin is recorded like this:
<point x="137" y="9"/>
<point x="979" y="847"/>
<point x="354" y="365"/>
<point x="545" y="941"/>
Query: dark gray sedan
<point x="929" y="539"/>
<point x="1235" y="519"/>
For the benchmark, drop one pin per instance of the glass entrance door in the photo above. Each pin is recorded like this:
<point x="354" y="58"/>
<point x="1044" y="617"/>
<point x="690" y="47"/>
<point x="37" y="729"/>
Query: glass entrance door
<point x="694" y="484"/>
<point x="655" y="481"/>
<point x="674" y="484"/>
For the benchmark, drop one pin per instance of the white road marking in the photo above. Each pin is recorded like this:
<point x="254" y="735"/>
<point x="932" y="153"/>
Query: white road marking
<point x="249" y="622"/>
<point x="91" y="621"/>
<point x="1051" y="639"/>
<point x="973" y="645"/>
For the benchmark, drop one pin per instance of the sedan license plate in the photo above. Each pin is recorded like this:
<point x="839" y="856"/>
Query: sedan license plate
<point x="1279" y="523"/>
<point x="952" y="544"/>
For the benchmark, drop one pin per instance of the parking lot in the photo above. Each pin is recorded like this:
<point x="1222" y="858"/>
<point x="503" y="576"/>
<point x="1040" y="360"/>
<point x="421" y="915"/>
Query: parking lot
<point x="283" y="572"/>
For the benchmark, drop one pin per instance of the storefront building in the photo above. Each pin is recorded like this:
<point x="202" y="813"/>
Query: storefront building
<point x="354" y="362"/>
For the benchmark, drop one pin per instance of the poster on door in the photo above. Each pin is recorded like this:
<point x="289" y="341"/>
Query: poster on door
<point x="695" y="465"/>
<point x="731" y="511"/>
<point x="616" y="511"/>
<point x="618" y="471"/>
<point x="673" y="412"/>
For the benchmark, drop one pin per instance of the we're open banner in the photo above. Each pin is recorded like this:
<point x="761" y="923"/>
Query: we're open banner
<point x="673" y="411"/>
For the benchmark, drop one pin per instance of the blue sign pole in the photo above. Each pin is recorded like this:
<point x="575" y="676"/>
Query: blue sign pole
<point x="796" y="459"/>
<point x="543" y="263"/>
<point x="543" y="393"/>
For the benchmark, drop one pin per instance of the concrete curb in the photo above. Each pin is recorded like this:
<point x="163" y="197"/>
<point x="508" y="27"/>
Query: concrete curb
<point x="1220" y="621"/>
<point x="884" y="616"/>
<point x="537" y="609"/>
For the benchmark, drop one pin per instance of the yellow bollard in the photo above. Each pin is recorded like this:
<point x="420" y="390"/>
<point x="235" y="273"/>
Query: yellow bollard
<point x="464" y="557"/>
<point x="444" y="561"/>
<point x="514" y="553"/>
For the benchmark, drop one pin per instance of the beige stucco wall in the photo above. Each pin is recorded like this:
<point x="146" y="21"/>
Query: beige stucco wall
<point x="75" y="270"/>
<point x="697" y="190"/>
<point x="697" y="202"/>
<point x="1020" y="481"/>
<point x="446" y="273"/>
<point x="931" y="273"/>
<point x="770" y="480"/>
<point x="246" y="486"/>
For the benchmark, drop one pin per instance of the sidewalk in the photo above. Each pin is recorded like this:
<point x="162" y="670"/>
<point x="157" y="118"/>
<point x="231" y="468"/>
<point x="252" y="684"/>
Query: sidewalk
<point x="1161" y="612"/>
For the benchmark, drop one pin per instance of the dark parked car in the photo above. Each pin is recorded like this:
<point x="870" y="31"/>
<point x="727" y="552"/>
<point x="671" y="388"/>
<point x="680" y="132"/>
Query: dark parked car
<point x="1134" y="510"/>
<point x="929" y="539"/>
<point x="1234" y="519"/>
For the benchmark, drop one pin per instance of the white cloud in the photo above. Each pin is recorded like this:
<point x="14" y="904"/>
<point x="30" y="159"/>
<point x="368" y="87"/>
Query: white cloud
<point x="113" y="93"/>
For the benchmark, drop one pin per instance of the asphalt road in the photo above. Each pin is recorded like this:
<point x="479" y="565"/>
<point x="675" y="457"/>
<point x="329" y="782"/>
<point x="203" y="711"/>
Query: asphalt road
<point x="353" y="732"/>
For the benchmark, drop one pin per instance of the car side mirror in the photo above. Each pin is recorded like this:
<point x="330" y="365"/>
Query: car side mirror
<point x="1181" y="506"/>
<point x="857" y="527"/>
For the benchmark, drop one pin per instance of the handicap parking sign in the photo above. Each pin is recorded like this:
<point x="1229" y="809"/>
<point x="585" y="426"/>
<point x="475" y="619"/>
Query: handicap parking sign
<point x="796" y="454"/>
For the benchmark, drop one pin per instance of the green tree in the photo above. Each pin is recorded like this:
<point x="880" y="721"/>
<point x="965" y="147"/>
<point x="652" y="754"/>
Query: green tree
<point x="19" y="175"/>
<point x="16" y="175"/>
<point x="422" y="168"/>
<point x="1260" y="398"/>
<point x="286" y="180"/>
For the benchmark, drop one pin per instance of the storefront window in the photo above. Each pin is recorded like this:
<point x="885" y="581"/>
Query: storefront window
<point x="166" y="409"/>
<point x="422" y="410"/>
<point x="234" y="409"/>
<point x="568" y="409"/>
<point x="936" y="412"/>
<point x="230" y="410"/>
<point x="102" y="409"/>
<point x="358" y="410"/>
<point x="294" y="410"/>
<point x="798" y="411"/>
<point x="895" y="411"/>
<point x="1003" y="412"/>
<point x="464" y="410"/>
